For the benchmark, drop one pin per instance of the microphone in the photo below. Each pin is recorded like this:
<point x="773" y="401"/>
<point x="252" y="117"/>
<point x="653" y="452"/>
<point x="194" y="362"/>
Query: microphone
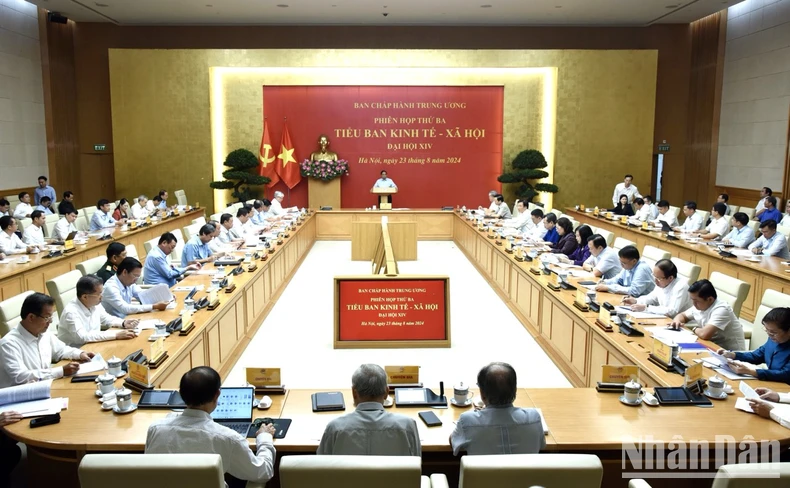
<point x="441" y="390"/>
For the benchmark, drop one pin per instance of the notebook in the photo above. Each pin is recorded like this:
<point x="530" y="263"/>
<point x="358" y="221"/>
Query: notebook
<point x="328" y="401"/>
<point x="234" y="408"/>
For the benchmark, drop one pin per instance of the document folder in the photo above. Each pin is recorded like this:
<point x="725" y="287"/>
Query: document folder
<point x="328" y="401"/>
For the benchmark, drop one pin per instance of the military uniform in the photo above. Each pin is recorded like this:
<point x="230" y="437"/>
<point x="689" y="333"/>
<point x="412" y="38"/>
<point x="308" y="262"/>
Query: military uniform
<point x="106" y="272"/>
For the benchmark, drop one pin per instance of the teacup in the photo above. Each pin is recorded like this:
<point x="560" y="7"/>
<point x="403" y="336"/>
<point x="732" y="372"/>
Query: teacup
<point x="124" y="398"/>
<point x="247" y="257"/>
<point x="461" y="394"/>
<point x="24" y="259"/>
<point x="716" y="386"/>
<point x="189" y="304"/>
<point x="563" y="275"/>
<point x="632" y="391"/>
<point x="114" y="366"/>
<point x="160" y="329"/>
<point x="106" y="383"/>
<point x="124" y="228"/>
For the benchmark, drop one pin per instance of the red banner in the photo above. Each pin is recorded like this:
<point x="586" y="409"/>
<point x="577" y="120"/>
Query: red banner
<point x="397" y="310"/>
<point x="437" y="143"/>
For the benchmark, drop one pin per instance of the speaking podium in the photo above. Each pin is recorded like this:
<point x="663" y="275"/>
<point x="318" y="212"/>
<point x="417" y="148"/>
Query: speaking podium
<point x="383" y="193"/>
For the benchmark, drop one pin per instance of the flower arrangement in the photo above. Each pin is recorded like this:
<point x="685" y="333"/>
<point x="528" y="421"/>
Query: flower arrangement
<point x="324" y="170"/>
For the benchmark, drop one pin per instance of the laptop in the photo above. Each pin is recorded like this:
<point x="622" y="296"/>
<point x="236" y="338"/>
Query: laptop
<point x="664" y="226"/>
<point x="234" y="408"/>
<point x="70" y="237"/>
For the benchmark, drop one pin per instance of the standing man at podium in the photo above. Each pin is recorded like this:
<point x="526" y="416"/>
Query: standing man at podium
<point x="385" y="182"/>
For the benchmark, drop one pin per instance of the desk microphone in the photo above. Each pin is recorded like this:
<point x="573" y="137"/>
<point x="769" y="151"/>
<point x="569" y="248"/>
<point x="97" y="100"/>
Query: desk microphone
<point x="441" y="390"/>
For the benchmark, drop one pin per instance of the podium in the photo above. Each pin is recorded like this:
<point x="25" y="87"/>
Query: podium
<point x="383" y="193"/>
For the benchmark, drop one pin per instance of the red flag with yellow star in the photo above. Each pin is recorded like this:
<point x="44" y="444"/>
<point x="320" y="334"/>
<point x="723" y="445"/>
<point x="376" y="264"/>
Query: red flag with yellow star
<point x="287" y="167"/>
<point x="267" y="158"/>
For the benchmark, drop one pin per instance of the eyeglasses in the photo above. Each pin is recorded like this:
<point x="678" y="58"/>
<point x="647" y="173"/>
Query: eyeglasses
<point x="770" y="333"/>
<point x="46" y="319"/>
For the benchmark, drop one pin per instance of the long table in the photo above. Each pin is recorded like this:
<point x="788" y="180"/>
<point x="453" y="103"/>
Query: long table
<point x="580" y="419"/>
<point x="33" y="275"/>
<point x="769" y="273"/>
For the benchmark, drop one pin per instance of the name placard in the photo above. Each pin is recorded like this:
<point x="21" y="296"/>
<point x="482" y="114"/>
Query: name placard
<point x="263" y="376"/>
<point x="175" y="210"/>
<point x="138" y="373"/>
<point x="556" y="279"/>
<point x="134" y="224"/>
<point x="624" y="219"/>
<point x="508" y="245"/>
<point x="148" y="220"/>
<point x="68" y="245"/>
<point x="581" y="207"/>
<point x="212" y="296"/>
<point x="581" y="296"/>
<point x="157" y="348"/>
<point x="604" y="316"/>
<point x="662" y="351"/>
<point x="645" y="225"/>
<point x="402" y="375"/>
<point x="693" y="374"/>
<point x="619" y="374"/>
<point x="186" y="319"/>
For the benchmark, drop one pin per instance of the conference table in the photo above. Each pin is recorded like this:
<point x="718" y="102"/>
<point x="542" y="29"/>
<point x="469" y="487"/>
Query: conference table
<point x="580" y="419"/>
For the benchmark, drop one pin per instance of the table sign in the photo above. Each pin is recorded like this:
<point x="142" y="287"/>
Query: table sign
<point x="213" y="299"/>
<point x="68" y="245"/>
<point x="535" y="268"/>
<point x="158" y="354"/>
<point x="662" y="354"/>
<point x="581" y="207"/>
<point x="138" y="376"/>
<point x="624" y="219"/>
<point x="596" y="211"/>
<point x="604" y="320"/>
<point x="580" y="301"/>
<point x="231" y="284"/>
<point x="134" y="224"/>
<point x="148" y="220"/>
<point x="519" y="254"/>
<point x="645" y="225"/>
<point x="619" y="374"/>
<point x="187" y="322"/>
<point x="402" y="376"/>
<point x="693" y="375"/>
<point x="555" y="282"/>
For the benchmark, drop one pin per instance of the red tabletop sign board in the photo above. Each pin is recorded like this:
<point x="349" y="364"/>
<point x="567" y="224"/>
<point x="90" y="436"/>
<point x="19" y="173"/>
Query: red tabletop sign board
<point x="392" y="312"/>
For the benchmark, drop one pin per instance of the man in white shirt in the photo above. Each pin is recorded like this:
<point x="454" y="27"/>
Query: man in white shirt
<point x="765" y="192"/>
<point x="28" y="351"/>
<point x="770" y="243"/>
<point x="719" y="225"/>
<point x="83" y="317"/>
<point x="216" y="245"/>
<point x="10" y="243"/>
<point x="5" y="207"/>
<point x="121" y="290"/>
<point x="538" y="230"/>
<point x="34" y="233"/>
<point x="522" y="223"/>
<point x="262" y="214"/>
<point x="277" y="205"/>
<point x="786" y="219"/>
<point x="242" y="227"/>
<point x="767" y="410"/>
<point x="652" y="207"/>
<point x="65" y="226"/>
<point x="625" y="188"/>
<point x="717" y="322"/>
<point x="502" y="211"/>
<point x="603" y="261"/>
<point x="693" y="222"/>
<point x="492" y="206"/>
<point x="664" y="214"/>
<point x="741" y="234"/>
<point x="140" y="209"/>
<point x="195" y="432"/>
<point x="226" y="224"/>
<point x="641" y="210"/>
<point x="669" y="297"/>
<point x="23" y="208"/>
<point x="724" y="198"/>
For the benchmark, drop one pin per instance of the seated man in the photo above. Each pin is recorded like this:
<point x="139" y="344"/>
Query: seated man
<point x="10" y="243"/>
<point x="719" y="225"/>
<point x="65" y="226"/>
<point x="83" y="317"/>
<point x="603" y="261"/>
<point x="664" y="214"/>
<point x="23" y="208"/>
<point x="693" y="222"/>
<point x="669" y="297"/>
<point x="641" y="210"/>
<point x="158" y="269"/>
<point x="770" y="243"/>
<point x="522" y="223"/>
<point x="277" y="205"/>
<point x="770" y="212"/>
<point x="67" y="203"/>
<point x="163" y="199"/>
<point x="785" y="218"/>
<point x="28" y="351"/>
<point x="242" y="227"/>
<point x="197" y="249"/>
<point x="764" y="409"/>
<point x="635" y="279"/>
<point x="101" y="217"/>
<point x="502" y="211"/>
<point x="34" y="233"/>
<point x="261" y="213"/>
<point x="499" y="428"/>
<point x="5" y="207"/>
<point x="724" y="198"/>
<point x="154" y="206"/>
<point x="215" y="244"/>
<point x="45" y="206"/>
<point x="140" y="209"/>
<point x="116" y="252"/>
<point x="369" y="430"/>
<point x="550" y="222"/>
<point x="765" y="192"/>
<point x="741" y="234"/>
<point x="195" y="432"/>
<point x="717" y="322"/>
<point x="121" y="289"/>
<point x="538" y="230"/>
<point x="492" y="207"/>
<point x="651" y="206"/>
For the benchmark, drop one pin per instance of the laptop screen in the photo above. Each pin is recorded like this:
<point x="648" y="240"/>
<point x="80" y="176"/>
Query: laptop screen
<point x="234" y="404"/>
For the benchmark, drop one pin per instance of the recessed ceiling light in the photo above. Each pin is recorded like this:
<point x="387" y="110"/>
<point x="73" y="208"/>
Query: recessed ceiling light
<point x="282" y="5"/>
<point x="209" y="5"/>
<point x="558" y="6"/>
<point x="486" y="6"/>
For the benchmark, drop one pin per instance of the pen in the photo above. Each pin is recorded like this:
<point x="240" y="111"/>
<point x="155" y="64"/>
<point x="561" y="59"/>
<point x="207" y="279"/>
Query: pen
<point x="645" y="323"/>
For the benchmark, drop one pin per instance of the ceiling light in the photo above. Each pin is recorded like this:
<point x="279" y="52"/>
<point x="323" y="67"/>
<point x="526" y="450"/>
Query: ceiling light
<point x="558" y="6"/>
<point x="485" y="6"/>
<point x="209" y="5"/>
<point x="282" y="5"/>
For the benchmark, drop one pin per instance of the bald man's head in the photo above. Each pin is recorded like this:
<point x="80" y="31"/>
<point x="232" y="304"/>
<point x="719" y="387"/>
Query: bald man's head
<point x="497" y="383"/>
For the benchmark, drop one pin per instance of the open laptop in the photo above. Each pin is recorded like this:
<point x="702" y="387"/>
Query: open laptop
<point x="70" y="237"/>
<point x="664" y="226"/>
<point x="234" y="408"/>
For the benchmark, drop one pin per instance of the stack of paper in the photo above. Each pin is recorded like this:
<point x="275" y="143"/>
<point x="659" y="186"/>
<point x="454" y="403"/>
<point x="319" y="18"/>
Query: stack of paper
<point x="155" y="294"/>
<point x="670" y="336"/>
<point x="639" y="315"/>
<point x="30" y="399"/>
<point x="96" y="364"/>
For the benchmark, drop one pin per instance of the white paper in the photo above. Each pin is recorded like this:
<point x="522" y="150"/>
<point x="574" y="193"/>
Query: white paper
<point x="748" y="391"/>
<point x="543" y="422"/>
<point x="188" y="288"/>
<point x="171" y="305"/>
<point x="5" y="261"/>
<point x="743" y="404"/>
<point x="580" y="273"/>
<point x="96" y="364"/>
<point x="25" y="393"/>
<point x="727" y="373"/>
<point x="35" y="408"/>
<point x="639" y="315"/>
<point x="681" y="336"/>
<point x="743" y="252"/>
<point x="206" y="272"/>
<point x="147" y="324"/>
<point x="721" y="360"/>
<point x="155" y="294"/>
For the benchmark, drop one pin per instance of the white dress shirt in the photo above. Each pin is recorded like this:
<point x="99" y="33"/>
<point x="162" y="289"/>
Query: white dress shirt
<point x="117" y="299"/>
<point x="653" y="209"/>
<point x="522" y="223"/>
<point x="643" y="214"/>
<point x="760" y="205"/>
<point x="384" y="183"/>
<point x="195" y="432"/>
<point x="224" y="235"/>
<point x="369" y="430"/>
<point x="22" y="210"/>
<point x="101" y="220"/>
<point x="785" y="220"/>
<point x="537" y="233"/>
<point x="62" y="229"/>
<point x="631" y="192"/>
<point x="25" y="358"/>
<point x="276" y="208"/>
<point x="34" y="236"/>
<point x="668" y="301"/>
<point x="729" y="333"/>
<point x="669" y="218"/>
<point x="719" y="226"/>
<point x="782" y="415"/>
<point x="775" y="246"/>
<point x="138" y="212"/>
<point x="693" y="223"/>
<point x="79" y="324"/>
<point x="11" y="243"/>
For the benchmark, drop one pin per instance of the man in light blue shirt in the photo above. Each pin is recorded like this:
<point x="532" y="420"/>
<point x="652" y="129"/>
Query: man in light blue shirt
<point x="603" y="261"/>
<point x="384" y="181"/>
<point x="163" y="195"/>
<point x="771" y="243"/>
<point x="43" y="190"/>
<point x="197" y="249"/>
<point x="121" y="289"/>
<point x="263" y="213"/>
<point x="158" y="269"/>
<point x="635" y="279"/>
<point x="741" y="234"/>
<point x="499" y="428"/>
<point x="101" y="217"/>
<point x="45" y="206"/>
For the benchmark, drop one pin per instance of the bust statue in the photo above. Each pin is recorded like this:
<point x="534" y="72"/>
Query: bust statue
<point x="323" y="154"/>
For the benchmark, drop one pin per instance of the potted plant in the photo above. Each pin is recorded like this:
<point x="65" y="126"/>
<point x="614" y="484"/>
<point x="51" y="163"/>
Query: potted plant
<point x="527" y="166"/>
<point x="240" y="162"/>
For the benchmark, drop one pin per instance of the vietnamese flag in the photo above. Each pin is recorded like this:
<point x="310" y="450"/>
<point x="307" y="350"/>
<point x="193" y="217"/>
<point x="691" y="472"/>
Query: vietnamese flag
<point x="266" y="157"/>
<point x="288" y="168"/>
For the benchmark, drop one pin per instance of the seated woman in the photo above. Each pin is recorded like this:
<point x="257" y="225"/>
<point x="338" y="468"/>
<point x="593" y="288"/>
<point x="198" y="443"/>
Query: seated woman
<point x="775" y="353"/>
<point x="582" y="252"/>
<point x="122" y="210"/>
<point x="623" y="207"/>
<point x="567" y="243"/>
